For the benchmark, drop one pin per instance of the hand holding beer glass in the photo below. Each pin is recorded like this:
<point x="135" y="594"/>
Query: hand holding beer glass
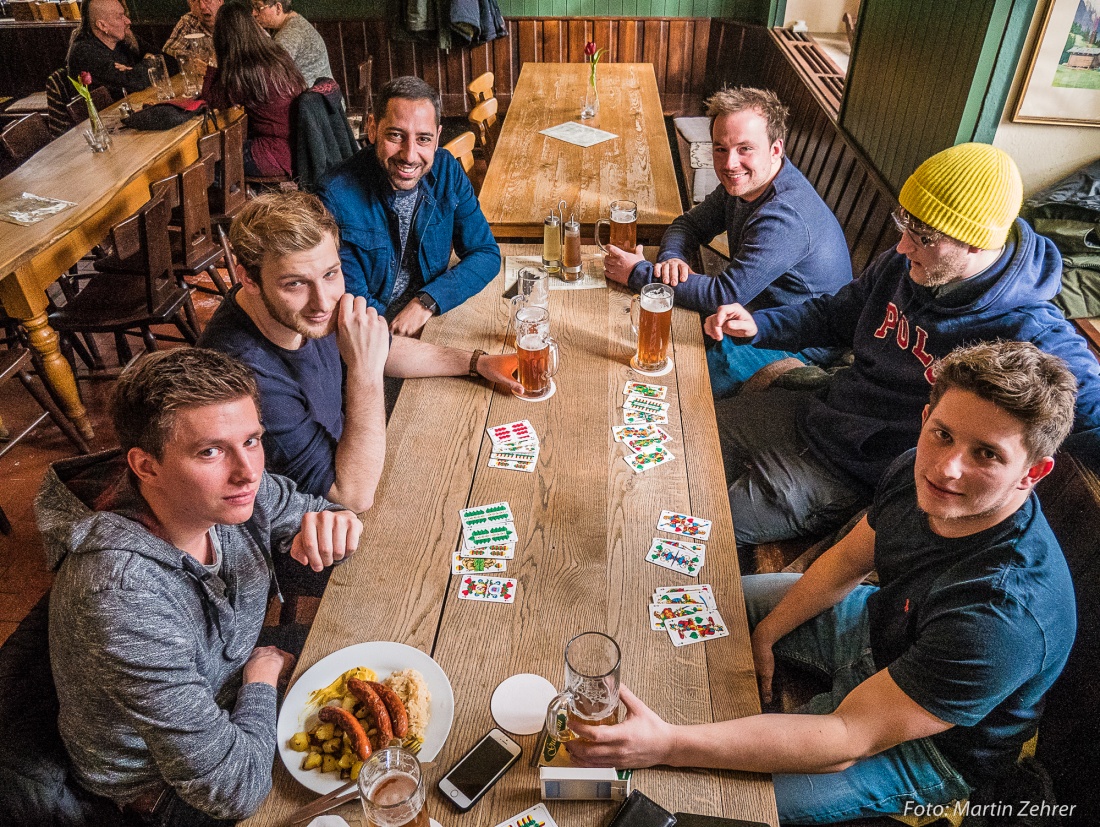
<point x="536" y="352"/>
<point x="391" y="789"/>
<point x="623" y="224"/>
<point x="651" y="319"/>
<point x="591" y="694"/>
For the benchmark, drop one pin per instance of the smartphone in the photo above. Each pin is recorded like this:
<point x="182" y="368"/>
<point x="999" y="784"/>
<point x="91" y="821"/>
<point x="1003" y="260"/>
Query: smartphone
<point x="479" y="769"/>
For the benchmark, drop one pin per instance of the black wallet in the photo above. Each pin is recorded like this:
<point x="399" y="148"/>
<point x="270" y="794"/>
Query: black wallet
<point x="641" y="811"/>
<point x="692" y="820"/>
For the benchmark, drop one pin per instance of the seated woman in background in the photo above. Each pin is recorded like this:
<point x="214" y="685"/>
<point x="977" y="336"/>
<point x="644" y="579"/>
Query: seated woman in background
<point x="254" y="72"/>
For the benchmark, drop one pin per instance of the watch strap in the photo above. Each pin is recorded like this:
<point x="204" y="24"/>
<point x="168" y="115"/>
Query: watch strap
<point x="473" y="362"/>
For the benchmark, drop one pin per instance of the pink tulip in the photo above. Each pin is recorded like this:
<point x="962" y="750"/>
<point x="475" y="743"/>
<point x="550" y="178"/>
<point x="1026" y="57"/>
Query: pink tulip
<point x="86" y="78"/>
<point x="590" y="48"/>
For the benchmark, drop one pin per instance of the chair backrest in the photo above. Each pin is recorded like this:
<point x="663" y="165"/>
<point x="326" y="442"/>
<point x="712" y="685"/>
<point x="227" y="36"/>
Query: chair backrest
<point x="58" y="93"/>
<point x="462" y="148"/>
<point x="196" y="229"/>
<point x="78" y="109"/>
<point x="145" y="234"/>
<point x="480" y="88"/>
<point x="47" y="11"/>
<point x="366" y="79"/>
<point x="70" y="9"/>
<point x="484" y="117"/>
<point x="25" y="137"/>
<point x="225" y="147"/>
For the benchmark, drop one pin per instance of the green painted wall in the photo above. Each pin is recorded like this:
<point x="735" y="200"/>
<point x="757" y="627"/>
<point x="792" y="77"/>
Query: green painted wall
<point x="928" y="74"/>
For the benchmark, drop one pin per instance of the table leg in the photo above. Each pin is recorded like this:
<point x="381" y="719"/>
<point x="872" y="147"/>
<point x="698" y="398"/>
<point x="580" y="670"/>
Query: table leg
<point x="57" y="373"/>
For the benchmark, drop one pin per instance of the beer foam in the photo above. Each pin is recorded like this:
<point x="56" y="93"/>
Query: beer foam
<point x="622" y="216"/>
<point x="655" y="303"/>
<point x="531" y="341"/>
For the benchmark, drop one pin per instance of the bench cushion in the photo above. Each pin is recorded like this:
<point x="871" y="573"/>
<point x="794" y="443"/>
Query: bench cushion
<point x="703" y="185"/>
<point x="694" y="130"/>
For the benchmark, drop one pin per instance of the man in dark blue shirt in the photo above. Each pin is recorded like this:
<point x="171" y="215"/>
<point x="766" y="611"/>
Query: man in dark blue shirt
<point x="785" y="244"/>
<point x="292" y="323"/>
<point x="939" y="673"/>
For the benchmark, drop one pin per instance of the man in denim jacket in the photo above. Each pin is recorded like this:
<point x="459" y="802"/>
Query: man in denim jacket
<point x="401" y="206"/>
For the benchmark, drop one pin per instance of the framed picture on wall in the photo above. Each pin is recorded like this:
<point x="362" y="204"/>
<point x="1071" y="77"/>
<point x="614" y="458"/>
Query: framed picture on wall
<point x="1062" y="83"/>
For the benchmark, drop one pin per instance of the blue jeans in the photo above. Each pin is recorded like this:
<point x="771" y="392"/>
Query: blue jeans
<point x="778" y="487"/>
<point x="837" y="644"/>
<point x="731" y="365"/>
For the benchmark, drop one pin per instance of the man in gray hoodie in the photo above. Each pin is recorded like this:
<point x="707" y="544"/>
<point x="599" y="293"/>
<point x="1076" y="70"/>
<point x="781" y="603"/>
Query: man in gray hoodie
<point x="163" y="557"/>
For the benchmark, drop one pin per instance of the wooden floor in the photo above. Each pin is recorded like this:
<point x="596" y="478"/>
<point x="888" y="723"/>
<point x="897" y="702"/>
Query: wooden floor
<point x="24" y="577"/>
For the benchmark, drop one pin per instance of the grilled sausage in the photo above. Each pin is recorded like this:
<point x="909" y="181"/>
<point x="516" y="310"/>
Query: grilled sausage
<point x="375" y="708"/>
<point x="351" y="727"/>
<point x="398" y="716"/>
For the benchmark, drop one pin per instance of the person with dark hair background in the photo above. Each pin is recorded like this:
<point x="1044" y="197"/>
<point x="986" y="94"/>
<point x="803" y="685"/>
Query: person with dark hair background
<point x="254" y="72"/>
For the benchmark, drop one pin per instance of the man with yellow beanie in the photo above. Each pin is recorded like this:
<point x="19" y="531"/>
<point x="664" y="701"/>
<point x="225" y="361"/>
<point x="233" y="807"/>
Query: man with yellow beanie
<point x="965" y="270"/>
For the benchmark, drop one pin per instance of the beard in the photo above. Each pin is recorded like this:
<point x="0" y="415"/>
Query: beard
<point x="295" y="321"/>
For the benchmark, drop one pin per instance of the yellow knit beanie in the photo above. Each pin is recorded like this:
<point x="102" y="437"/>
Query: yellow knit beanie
<point x="971" y="192"/>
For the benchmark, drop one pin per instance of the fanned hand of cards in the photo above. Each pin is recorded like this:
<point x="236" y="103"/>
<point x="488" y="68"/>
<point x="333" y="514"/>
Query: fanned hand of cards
<point x="515" y="446"/>
<point x="687" y="613"/>
<point x="537" y="816"/>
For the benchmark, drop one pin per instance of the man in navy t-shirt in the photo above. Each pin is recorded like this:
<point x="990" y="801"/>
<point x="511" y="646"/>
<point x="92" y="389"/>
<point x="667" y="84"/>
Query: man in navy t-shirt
<point x="938" y="674"/>
<point x="312" y="346"/>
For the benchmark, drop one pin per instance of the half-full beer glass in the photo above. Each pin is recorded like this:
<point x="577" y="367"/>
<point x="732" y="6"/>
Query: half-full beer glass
<point x="536" y="352"/>
<point x="624" y="226"/>
<point x="651" y="318"/>
<point x="591" y="694"/>
<point x="391" y="789"/>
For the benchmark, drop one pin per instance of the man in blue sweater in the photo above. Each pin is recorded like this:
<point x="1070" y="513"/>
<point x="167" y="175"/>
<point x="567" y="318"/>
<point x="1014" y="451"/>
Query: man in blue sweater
<point x="965" y="270"/>
<point x="785" y="244"/>
<point x="401" y="206"/>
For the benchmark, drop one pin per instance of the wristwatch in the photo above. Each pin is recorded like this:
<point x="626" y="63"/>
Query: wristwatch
<point x="427" y="302"/>
<point x="473" y="362"/>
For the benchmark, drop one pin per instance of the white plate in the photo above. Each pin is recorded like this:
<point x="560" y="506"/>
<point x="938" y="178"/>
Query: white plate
<point x="383" y="657"/>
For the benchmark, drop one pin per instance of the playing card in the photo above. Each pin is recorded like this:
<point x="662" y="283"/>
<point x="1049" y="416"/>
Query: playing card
<point x="537" y="816"/>
<point x="705" y="599"/>
<point x="487" y="535"/>
<point x="511" y="432"/>
<point x="465" y="565"/>
<point x="659" y="613"/>
<point x="625" y="432"/>
<point x="673" y="557"/>
<point x="684" y="524"/>
<point x="483" y="515"/>
<point x="637" y="418"/>
<point x="695" y="548"/>
<point x="642" y="389"/>
<point x="518" y="446"/>
<point x="512" y="464"/>
<point x="487" y="589"/>
<point x="694" y="587"/>
<point x="696" y="628"/>
<point x="499" y="551"/>
<point x="647" y="406"/>
<point x="641" y="443"/>
<point x="525" y="456"/>
<point x="649" y="458"/>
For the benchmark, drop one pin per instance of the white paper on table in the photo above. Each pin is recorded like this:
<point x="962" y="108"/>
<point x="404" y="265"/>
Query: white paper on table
<point x="591" y="272"/>
<point x="579" y="134"/>
<point x="27" y="208"/>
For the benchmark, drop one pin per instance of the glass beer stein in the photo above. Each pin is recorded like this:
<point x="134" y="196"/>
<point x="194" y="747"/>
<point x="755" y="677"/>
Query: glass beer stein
<point x="624" y="226"/>
<point x="591" y="694"/>
<point x="536" y="352"/>
<point x="391" y="789"/>
<point x="651" y="319"/>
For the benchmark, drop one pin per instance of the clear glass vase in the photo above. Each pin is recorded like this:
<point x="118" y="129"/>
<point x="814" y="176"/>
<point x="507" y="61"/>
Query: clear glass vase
<point x="98" y="138"/>
<point x="590" y="104"/>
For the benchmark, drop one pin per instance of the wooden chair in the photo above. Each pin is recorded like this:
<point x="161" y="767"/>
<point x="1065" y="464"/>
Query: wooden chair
<point x="462" y="148"/>
<point x="484" y="118"/>
<point x="47" y="11"/>
<point x="131" y="303"/>
<point x="70" y="9"/>
<point x="480" y="88"/>
<point x="78" y="109"/>
<point x="223" y="152"/>
<point x="21" y="139"/>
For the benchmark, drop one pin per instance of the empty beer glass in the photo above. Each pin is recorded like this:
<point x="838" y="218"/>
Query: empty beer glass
<point x="624" y="226"/>
<point x="391" y="789"/>
<point x="651" y="318"/>
<point x="536" y="352"/>
<point x="591" y="694"/>
<point x="158" y="77"/>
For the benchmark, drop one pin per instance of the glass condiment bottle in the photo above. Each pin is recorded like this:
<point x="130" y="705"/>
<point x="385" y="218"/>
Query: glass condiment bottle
<point x="551" y="244"/>
<point x="571" y="251"/>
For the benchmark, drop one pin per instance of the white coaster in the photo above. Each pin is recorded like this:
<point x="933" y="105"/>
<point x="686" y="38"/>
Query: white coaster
<point x="519" y="703"/>
<point x="434" y="823"/>
<point x="663" y="371"/>
<point x="553" y="389"/>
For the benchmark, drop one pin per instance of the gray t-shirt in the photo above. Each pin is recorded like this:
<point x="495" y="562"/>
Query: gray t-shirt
<point x="306" y="47"/>
<point x="404" y="204"/>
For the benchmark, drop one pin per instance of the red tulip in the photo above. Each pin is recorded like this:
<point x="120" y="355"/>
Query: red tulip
<point x="86" y="78"/>
<point x="590" y="48"/>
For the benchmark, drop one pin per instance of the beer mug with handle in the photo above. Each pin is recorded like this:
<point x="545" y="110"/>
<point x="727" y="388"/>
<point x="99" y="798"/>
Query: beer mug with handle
<point x="391" y="789"/>
<point x="536" y="352"/>
<point x="624" y="226"/>
<point x="591" y="694"/>
<point x="651" y="319"/>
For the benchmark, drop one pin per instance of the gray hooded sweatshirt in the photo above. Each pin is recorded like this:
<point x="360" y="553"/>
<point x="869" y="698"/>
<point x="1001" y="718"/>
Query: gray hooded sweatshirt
<point x="147" y="646"/>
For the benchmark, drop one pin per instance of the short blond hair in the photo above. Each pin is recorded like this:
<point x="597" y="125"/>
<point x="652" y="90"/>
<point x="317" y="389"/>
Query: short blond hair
<point x="763" y="102"/>
<point x="278" y="223"/>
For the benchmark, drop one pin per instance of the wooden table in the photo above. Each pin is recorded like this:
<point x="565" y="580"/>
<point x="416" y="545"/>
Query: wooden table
<point x="106" y="188"/>
<point x="585" y="522"/>
<point x="530" y="173"/>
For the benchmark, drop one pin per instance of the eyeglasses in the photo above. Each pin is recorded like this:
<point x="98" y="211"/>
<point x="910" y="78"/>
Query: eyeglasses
<point x="924" y="235"/>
